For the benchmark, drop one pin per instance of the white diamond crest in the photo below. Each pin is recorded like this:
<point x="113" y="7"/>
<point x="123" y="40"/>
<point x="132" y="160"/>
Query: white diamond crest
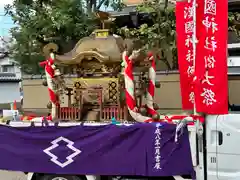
<point x="54" y="158"/>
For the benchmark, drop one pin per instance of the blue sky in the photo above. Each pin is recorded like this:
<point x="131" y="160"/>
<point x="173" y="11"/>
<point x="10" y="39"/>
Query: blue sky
<point x="5" y="21"/>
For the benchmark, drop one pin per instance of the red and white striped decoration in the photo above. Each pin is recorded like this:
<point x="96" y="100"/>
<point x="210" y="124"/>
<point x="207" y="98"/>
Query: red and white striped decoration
<point x="151" y="86"/>
<point x="129" y="90"/>
<point x="172" y="119"/>
<point x="50" y="72"/>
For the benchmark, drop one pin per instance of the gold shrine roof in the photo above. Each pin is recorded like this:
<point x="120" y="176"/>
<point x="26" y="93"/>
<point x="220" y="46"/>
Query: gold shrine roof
<point x="106" y="50"/>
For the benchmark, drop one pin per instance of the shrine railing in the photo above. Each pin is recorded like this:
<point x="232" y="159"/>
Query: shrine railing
<point x="69" y="113"/>
<point x="114" y="111"/>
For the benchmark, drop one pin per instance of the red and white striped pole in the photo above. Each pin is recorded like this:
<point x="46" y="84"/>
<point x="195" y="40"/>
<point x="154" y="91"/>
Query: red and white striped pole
<point x="50" y="73"/>
<point x="151" y="86"/>
<point x="129" y="90"/>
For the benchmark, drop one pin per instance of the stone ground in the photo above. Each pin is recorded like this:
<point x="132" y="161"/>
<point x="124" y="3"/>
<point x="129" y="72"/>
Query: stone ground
<point x="7" y="175"/>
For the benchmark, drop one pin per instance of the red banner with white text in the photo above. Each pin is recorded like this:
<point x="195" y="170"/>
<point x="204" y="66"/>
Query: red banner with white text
<point x="211" y="60"/>
<point x="184" y="31"/>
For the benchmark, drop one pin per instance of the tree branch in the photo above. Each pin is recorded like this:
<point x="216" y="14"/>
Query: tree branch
<point x="100" y="4"/>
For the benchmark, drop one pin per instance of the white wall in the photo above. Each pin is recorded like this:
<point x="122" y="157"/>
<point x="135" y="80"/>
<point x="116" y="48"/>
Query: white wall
<point x="5" y="61"/>
<point x="14" y="69"/>
<point x="9" y="92"/>
<point x="17" y="71"/>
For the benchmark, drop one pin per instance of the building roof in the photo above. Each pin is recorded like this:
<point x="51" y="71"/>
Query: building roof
<point x="124" y="12"/>
<point x="233" y="5"/>
<point x="132" y="8"/>
<point x="229" y="1"/>
<point x="234" y="1"/>
<point x="9" y="77"/>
